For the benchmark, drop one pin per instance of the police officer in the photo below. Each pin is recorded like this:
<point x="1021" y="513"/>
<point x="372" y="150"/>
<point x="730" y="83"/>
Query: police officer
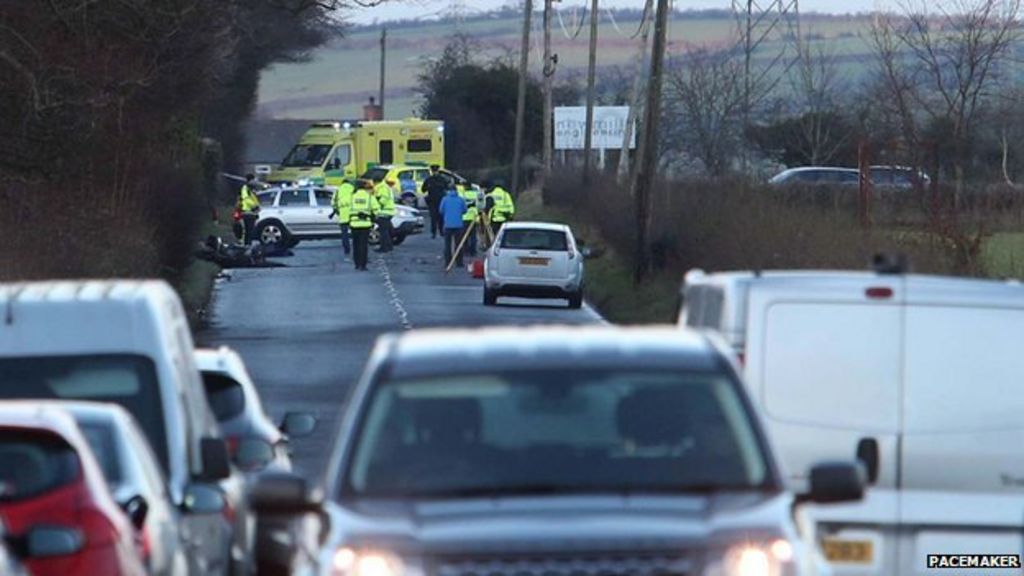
<point x="501" y="207"/>
<point x="342" y="204"/>
<point x="385" y="196"/>
<point x="362" y="212"/>
<point x="471" y="194"/>
<point x="249" y="205"/>
<point x="435" y="187"/>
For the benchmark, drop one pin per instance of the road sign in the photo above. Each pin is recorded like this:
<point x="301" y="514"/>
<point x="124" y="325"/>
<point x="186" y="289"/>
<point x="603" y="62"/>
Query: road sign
<point x="609" y="126"/>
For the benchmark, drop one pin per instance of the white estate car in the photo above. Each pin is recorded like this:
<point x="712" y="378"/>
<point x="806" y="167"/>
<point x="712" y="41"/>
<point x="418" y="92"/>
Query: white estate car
<point x="534" y="260"/>
<point x="289" y="215"/>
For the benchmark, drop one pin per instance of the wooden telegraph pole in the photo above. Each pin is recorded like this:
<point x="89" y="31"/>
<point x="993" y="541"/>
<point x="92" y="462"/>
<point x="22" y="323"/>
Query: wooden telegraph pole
<point x="549" y="73"/>
<point x="591" y="73"/>
<point x="524" y="70"/>
<point x="383" y="67"/>
<point x="643" y="176"/>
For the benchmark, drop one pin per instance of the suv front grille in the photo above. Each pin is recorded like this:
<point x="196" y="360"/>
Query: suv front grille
<point x="568" y="565"/>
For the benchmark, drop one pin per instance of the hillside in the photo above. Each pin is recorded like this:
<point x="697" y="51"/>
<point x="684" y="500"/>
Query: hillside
<point x="340" y="77"/>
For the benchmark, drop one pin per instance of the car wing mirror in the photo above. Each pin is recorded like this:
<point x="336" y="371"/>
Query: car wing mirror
<point x="298" y="424"/>
<point x="253" y="454"/>
<point x="835" y="482"/>
<point x="215" y="459"/>
<point x="52" y="541"/>
<point x="868" y="454"/>
<point x="137" y="509"/>
<point x="203" y="499"/>
<point x="284" y="494"/>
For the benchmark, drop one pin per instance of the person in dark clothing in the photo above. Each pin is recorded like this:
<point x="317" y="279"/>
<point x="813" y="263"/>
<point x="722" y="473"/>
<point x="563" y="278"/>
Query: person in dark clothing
<point x="435" y="187"/>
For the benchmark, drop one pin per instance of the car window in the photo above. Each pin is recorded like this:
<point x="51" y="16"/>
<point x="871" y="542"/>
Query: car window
<point x="324" y="197"/>
<point x="572" y="430"/>
<point x="33" y="463"/>
<point x="375" y="174"/>
<point x="294" y="198"/>
<point x="100" y="437"/>
<point x="422" y="175"/>
<point x="534" y="239"/>
<point x="340" y="158"/>
<point x="225" y="395"/>
<point x="405" y="175"/>
<point x="126" y="380"/>
<point x="267" y="198"/>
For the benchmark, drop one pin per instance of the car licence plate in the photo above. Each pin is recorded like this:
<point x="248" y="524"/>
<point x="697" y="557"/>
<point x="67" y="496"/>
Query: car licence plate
<point x="848" y="551"/>
<point x="534" y="261"/>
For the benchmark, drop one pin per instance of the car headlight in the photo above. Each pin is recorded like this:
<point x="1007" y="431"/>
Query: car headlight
<point x="773" y="558"/>
<point x="351" y="562"/>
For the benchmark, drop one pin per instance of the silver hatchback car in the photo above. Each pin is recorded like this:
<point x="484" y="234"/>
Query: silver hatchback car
<point x="556" y="452"/>
<point x="534" y="260"/>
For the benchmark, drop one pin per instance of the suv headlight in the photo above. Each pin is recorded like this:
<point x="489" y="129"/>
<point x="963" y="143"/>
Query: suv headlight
<point x="351" y="562"/>
<point x="772" y="558"/>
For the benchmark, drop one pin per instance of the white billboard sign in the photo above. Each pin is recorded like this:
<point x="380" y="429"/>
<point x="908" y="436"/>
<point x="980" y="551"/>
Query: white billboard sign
<point x="609" y="126"/>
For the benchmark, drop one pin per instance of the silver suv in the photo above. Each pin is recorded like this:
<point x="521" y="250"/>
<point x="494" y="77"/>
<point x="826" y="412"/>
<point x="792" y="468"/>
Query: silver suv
<point x="290" y="215"/>
<point x="556" y="451"/>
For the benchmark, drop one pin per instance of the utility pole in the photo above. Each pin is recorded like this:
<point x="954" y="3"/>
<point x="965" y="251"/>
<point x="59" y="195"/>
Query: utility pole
<point x="383" y="67"/>
<point x="643" y="176"/>
<point x="637" y="94"/>
<point x="549" y="73"/>
<point x="591" y="72"/>
<point x="524" y="70"/>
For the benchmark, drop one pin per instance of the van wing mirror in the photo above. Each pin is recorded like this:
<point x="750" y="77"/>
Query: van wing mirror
<point x="203" y="499"/>
<point x="137" y="509"/>
<point x="835" y="482"/>
<point x="868" y="455"/>
<point x="298" y="424"/>
<point x="216" y="461"/>
<point x="284" y="493"/>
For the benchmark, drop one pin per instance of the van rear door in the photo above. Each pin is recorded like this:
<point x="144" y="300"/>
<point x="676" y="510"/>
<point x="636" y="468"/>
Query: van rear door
<point x="962" y="468"/>
<point x="824" y="362"/>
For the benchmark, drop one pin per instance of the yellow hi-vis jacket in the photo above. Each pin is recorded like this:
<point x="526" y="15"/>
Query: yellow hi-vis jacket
<point x="470" y="195"/>
<point x="363" y="210"/>
<point x="247" y="200"/>
<point x="504" y="208"/>
<point x="385" y="199"/>
<point x="342" y="201"/>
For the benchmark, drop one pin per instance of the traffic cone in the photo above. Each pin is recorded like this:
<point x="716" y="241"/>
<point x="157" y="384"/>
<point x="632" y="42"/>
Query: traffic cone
<point x="477" y="269"/>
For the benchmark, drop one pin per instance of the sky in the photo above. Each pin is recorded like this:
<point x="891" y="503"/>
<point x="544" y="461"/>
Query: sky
<point x="426" y="8"/>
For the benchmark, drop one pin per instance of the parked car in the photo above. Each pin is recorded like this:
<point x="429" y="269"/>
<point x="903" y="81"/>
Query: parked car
<point x="49" y="480"/>
<point x="900" y="177"/>
<point x="239" y="412"/>
<point x="290" y="215"/>
<point x="136" y="482"/>
<point x="128" y="342"/>
<point x="410" y="179"/>
<point x="816" y="175"/>
<point x="534" y="260"/>
<point x="556" y="451"/>
<point x="918" y="376"/>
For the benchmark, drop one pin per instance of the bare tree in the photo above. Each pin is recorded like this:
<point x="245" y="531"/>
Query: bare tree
<point x="940" y="63"/>
<point x="706" y="91"/>
<point x="817" y="86"/>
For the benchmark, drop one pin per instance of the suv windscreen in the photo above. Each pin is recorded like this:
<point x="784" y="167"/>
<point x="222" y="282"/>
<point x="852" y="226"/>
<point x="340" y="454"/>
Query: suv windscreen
<point x="375" y="174"/>
<point x="556" y="431"/>
<point x="33" y="463"/>
<point x="225" y="396"/>
<point x="129" y="381"/>
<point x="531" y="239"/>
<point x="306" y="156"/>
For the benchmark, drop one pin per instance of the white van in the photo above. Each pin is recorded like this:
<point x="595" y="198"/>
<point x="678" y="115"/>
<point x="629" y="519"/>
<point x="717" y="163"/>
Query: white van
<point x="128" y="343"/>
<point x="920" y="377"/>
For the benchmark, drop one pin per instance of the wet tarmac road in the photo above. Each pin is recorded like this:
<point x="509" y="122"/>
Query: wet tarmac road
<point x="305" y="330"/>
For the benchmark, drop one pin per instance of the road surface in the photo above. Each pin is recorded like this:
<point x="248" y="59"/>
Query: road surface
<point x="305" y="330"/>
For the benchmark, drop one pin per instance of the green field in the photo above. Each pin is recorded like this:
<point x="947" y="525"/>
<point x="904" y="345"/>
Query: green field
<point x="340" y="76"/>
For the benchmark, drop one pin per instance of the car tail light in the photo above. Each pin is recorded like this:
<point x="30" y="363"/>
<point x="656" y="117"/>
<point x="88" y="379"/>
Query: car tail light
<point x="232" y="442"/>
<point x="97" y="528"/>
<point x="237" y="214"/>
<point x="145" y="546"/>
<point x="228" y="511"/>
<point x="879" y="292"/>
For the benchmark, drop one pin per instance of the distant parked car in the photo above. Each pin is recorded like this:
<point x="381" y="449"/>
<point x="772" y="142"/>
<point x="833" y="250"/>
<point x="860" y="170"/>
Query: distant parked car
<point x="239" y="412"/>
<point x="816" y="175"/>
<point x="136" y="482"/>
<point x="290" y="215"/>
<point x="534" y="260"/>
<point x="50" y="481"/>
<point x="410" y="180"/>
<point x="898" y="177"/>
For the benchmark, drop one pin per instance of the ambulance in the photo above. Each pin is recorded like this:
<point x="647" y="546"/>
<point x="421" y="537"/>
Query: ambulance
<point x="331" y="151"/>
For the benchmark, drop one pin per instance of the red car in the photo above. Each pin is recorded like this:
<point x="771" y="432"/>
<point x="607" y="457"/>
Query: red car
<point x="49" y="477"/>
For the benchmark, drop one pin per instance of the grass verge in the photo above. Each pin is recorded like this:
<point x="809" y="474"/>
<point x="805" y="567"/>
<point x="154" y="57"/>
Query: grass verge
<point x="610" y="288"/>
<point x="195" y="282"/>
